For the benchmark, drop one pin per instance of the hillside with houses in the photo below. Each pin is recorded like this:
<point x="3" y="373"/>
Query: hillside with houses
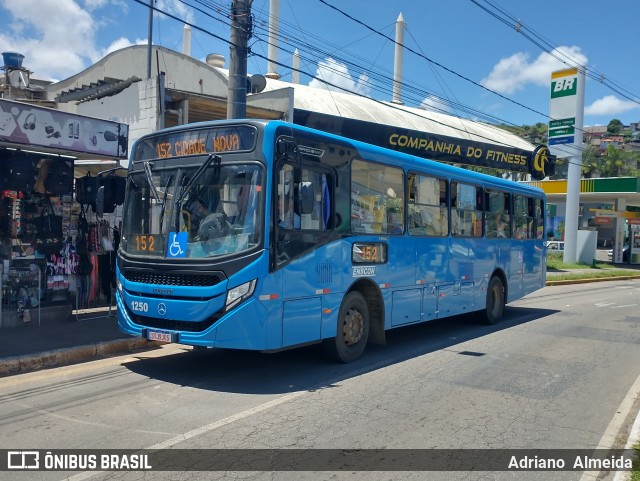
<point x="611" y="150"/>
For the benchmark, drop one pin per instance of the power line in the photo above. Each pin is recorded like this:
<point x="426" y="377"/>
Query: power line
<point x="338" y="87"/>
<point x="546" y="46"/>
<point x="432" y="61"/>
<point x="293" y="40"/>
<point x="442" y="66"/>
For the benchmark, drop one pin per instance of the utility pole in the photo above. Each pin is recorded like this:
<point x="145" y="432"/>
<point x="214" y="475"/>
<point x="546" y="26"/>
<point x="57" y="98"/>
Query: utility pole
<point x="150" y="39"/>
<point x="240" y="34"/>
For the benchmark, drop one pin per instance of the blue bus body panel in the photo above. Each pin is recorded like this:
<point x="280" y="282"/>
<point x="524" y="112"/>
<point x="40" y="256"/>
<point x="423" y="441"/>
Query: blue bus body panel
<point x="424" y="278"/>
<point x="302" y="320"/>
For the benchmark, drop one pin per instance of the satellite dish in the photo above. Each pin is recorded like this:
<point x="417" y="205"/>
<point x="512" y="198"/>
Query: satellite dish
<point x="19" y="79"/>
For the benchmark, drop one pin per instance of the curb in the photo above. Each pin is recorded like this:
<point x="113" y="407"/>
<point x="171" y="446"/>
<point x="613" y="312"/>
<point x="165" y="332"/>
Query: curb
<point x="634" y="438"/>
<point x="586" y="281"/>
<point x="73" y="355"/>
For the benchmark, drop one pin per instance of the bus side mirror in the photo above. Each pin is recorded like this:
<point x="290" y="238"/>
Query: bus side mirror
<point x="100" y="202"/>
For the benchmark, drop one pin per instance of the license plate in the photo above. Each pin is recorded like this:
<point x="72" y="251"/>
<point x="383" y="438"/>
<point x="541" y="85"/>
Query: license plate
<point x="159" y="336"/>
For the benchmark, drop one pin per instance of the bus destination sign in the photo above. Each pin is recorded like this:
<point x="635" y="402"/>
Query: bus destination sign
<point x="241" y="138"/>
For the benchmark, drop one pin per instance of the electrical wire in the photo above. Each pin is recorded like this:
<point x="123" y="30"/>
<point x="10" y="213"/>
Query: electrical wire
<point x="337" y="87"/>
<point x="546" y="46"/>
<point x="321" y="54"/>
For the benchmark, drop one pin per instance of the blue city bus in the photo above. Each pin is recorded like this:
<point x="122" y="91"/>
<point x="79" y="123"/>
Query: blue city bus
<point x="266" y="235"/>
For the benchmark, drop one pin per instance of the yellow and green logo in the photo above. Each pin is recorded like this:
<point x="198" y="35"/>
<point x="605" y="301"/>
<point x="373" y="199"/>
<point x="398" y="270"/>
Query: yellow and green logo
<point x="564" y="83"/>
<point x="540" y="162"/>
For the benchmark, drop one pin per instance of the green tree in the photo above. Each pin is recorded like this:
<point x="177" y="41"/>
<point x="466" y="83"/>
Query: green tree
<point x="619" y="163"/>
<point x="614" y="127"/>
<point x="591" y="162"/>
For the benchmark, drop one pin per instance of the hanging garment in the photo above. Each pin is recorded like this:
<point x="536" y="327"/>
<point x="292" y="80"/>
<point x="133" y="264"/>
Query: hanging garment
<point x="86" y="189"/>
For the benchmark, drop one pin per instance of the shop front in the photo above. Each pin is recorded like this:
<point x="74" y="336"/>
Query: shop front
<point x="56" y="256"/>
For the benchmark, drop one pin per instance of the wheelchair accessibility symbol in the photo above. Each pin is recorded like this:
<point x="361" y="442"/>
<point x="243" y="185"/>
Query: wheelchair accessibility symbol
<point x="177" y="244"/>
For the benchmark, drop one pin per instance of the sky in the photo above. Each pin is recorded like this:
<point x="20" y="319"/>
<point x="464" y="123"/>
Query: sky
<point x="489" y="60"/>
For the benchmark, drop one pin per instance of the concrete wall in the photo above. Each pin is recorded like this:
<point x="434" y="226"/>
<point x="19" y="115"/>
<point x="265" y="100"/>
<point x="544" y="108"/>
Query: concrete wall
<point x="182" y="72"/>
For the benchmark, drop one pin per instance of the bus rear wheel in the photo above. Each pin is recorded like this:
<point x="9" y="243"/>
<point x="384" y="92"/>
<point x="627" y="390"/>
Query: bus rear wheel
<point x="494" y="309"/>
<point x="352" y="330"/>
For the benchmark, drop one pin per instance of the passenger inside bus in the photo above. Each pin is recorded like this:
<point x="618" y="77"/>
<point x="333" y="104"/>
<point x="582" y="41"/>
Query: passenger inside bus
<point x="500" y="227"/>
<point x="394" y="221"/>
<point x="289" y="219"/>
<point x="193" y="214"/>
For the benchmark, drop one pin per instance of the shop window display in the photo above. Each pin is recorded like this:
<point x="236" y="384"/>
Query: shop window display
<point x="42" y="274"/>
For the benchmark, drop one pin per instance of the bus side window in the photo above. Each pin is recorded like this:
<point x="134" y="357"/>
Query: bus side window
<point x="313" y="204"/>
<point x="466" y="210"/>
<point x="497" y="214"/>
<point x="377" y="198"/>
<point x="539" y="219"/>
<point x="521" y="217"/>
<point x="426" y="217"/>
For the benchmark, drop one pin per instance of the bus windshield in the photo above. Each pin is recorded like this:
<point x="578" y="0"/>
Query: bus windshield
<point x="215" y="211"/>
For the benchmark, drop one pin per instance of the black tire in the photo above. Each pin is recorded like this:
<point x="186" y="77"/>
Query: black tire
<point x="494" y="309"/>
<point x="352" y="330"/>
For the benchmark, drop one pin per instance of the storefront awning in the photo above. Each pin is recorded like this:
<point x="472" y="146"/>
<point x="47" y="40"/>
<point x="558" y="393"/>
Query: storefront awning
<point x="28" y="127"/>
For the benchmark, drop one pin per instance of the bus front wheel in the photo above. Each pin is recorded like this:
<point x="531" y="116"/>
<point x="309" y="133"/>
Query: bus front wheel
<point x="494" y="309"/>
<point x="352" y="330"/>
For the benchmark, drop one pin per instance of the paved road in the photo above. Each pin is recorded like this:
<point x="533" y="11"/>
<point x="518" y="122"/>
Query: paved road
<point x="554" y="374"/>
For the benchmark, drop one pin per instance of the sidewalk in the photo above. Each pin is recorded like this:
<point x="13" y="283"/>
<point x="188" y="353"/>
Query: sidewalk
<point x="32" y="347"/>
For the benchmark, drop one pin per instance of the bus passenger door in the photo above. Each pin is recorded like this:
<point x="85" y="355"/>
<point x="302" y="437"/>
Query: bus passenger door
<point x="516" y="270"/>
<point x="308" y="280"/>
<point x="309" y="265"/>
<point x="429" y="302"/>
<point x="432" y="261"/>
<point x="455" y="293"/>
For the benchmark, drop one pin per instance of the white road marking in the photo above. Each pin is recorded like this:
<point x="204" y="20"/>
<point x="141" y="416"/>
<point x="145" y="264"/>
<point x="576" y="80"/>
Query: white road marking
<point x="608" y="439"/>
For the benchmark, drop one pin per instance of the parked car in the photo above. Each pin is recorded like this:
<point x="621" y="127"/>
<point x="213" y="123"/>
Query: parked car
<point x="626" y="251"/>
<point x="555" y="246"/>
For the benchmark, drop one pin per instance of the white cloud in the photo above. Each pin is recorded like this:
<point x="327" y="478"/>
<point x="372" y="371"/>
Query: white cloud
<point x="177" y="8"/>
<point x="336" y="73"/>
<point x="55" y="36"/>
<point x="59" y="38"/>
<point x="515" y="72"/>
<point x="119" y="44"/>
<point x="94" y="4"/>
<point x="610" y="105"/>
<point x="434" y="104"/>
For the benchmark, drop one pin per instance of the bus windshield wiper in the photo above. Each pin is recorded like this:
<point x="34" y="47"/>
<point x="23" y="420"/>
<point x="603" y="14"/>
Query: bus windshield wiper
<point x="185" y="190"/>
<point x="154" y="191"/>
<point x="164" y="202"/>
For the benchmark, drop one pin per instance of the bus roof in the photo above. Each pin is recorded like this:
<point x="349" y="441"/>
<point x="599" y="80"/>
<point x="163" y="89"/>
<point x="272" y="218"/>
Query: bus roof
<point x="373" y="153"/>
<point x="409" y="161"/>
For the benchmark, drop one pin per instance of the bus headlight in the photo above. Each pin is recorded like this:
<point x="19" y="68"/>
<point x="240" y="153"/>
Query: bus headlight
<point x="119" y="286"/>
<point x="238" y="294"/>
